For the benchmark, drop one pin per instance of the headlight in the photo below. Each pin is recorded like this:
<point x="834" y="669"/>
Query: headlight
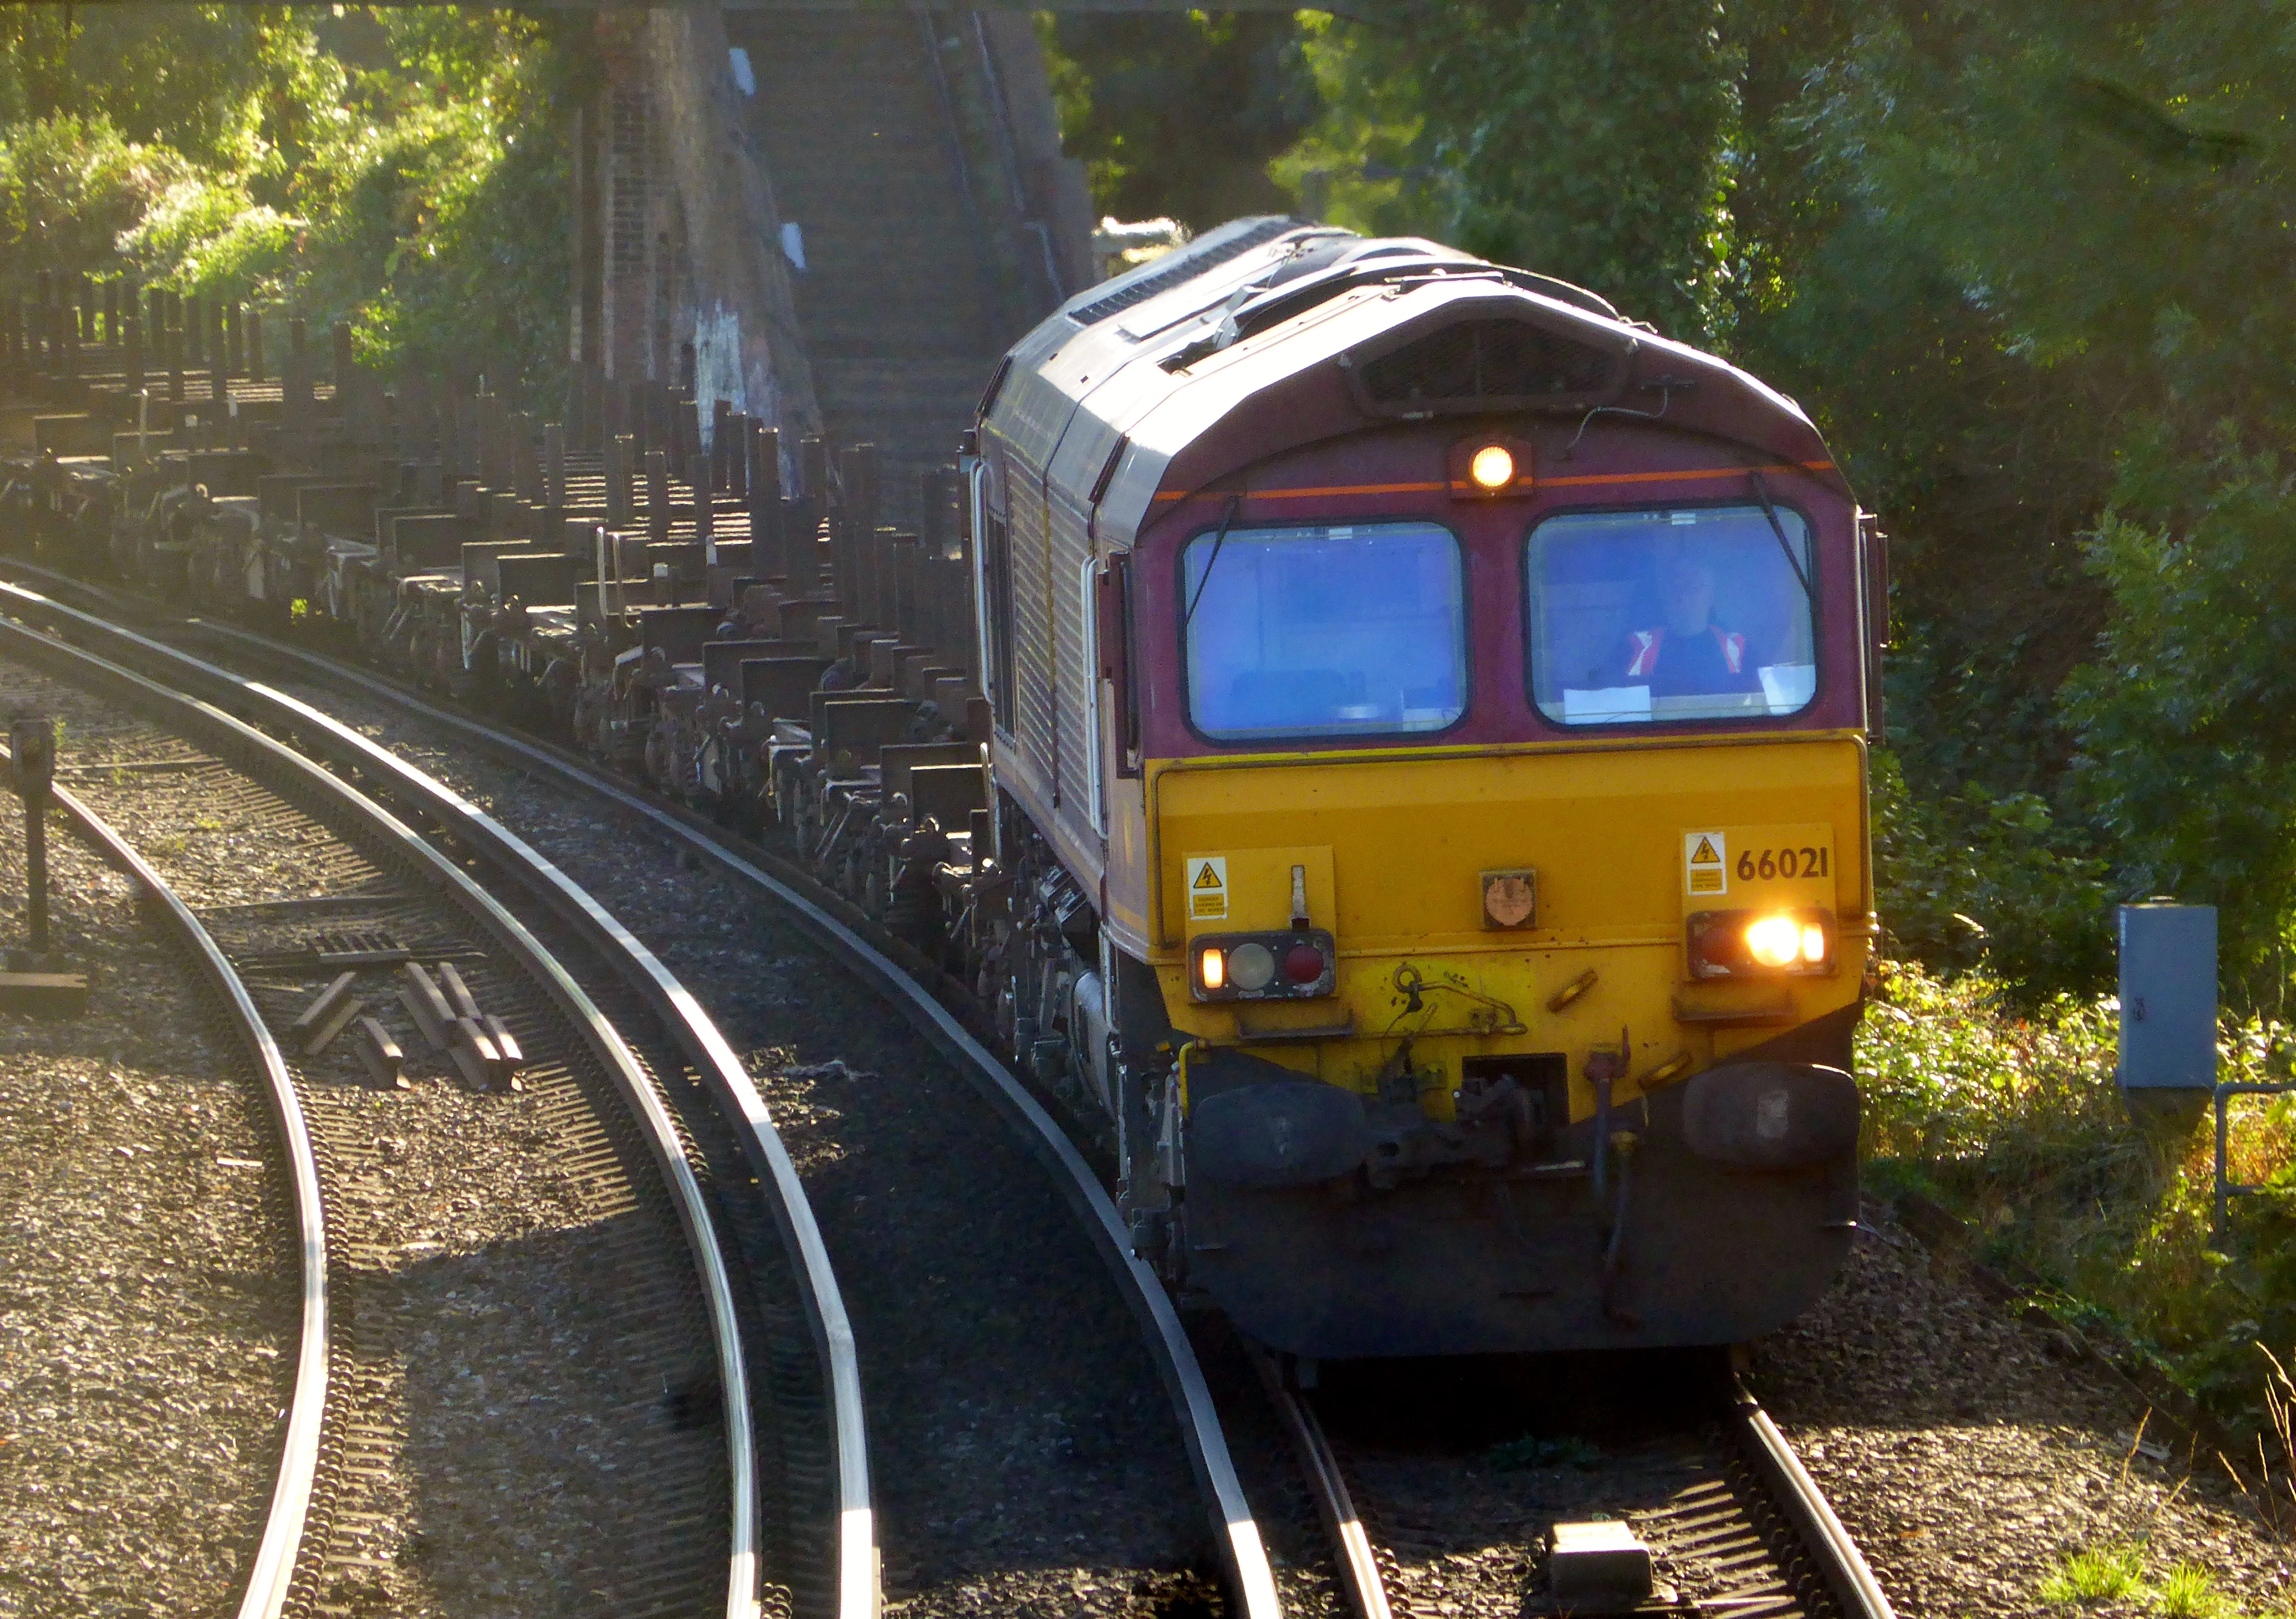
<point x="1733" y="944"/>
<point x="1775" y="941"/>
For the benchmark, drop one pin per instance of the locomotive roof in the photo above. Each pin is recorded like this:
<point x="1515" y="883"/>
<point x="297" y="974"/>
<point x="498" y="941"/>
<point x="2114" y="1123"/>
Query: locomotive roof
<point x="1267" y="334"/>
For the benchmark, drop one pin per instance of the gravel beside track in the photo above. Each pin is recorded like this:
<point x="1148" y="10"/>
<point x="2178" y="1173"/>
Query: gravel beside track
<point x="1968" y="1452"/>
<point x="514" y="1414"/>
<point x="151" y="1300"/>
<point x="1027" y="1458"/>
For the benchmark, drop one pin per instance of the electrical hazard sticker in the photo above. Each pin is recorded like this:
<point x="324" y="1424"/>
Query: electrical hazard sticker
<point x="1706" y="862"/>
<point x="1207" y="888"/>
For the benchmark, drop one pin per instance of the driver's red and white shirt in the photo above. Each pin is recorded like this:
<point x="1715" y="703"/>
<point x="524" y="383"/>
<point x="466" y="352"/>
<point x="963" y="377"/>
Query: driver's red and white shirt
<point x="1647" y="644"/>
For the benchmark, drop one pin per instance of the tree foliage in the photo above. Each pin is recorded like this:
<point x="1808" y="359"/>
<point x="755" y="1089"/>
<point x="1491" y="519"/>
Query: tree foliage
<point x="399" y="167"/>
<point x="1180" y="115"/>
<point x="2024" y="264"/>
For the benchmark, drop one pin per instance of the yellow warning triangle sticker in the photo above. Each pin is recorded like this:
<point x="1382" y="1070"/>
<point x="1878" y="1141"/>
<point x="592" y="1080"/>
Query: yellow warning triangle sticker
<point x="1704" y="855"/>
<point x="1207" y="878"/>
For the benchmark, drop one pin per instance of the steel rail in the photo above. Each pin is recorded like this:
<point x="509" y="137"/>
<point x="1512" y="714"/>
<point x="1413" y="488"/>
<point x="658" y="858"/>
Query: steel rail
<point x="1366" y="1591"/>
<point x="1840" y="1564"/>
<point x="290" y="1496"/>
<point x="742" y="1601"/>
<point x="859" y="1594"/>
<point x="1236" y="1531"/>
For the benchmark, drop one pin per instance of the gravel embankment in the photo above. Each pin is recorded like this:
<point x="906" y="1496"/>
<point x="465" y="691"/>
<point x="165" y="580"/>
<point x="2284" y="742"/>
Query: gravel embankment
<point x="1026" y="1459"/>
<point x="1968" y="1456"/>
<point x="512" y="1411"/>
<point x="150" y="1301"/>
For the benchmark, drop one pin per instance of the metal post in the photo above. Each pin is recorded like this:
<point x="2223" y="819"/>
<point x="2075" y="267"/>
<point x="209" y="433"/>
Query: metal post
<point x="657" y="476"/>
<point x="732" y="450"/>
<point x="697" y="472"/>
<point x="621" y="453"/>
<point x="172" y="312"/>
<point x="553" y="469"/>
<point x="2219" y="1232"/>
<point x="32" y="741"/>
<point x="2220" y="1236"/>
<point x="769" y="548"/>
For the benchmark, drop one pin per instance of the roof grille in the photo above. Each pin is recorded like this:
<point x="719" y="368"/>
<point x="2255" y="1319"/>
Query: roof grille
<point x="1178" y="266"/>
<point x="1480" y="363"/>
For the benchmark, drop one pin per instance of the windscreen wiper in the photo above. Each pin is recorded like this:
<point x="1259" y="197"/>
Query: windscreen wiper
<point x="1763" y="494"/>
<point x="1218" y="540"/>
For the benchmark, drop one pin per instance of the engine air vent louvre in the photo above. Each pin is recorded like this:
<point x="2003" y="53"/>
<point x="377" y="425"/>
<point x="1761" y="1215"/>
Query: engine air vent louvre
<point x="1478" y="364"/>
<point x="1177" y="267"/>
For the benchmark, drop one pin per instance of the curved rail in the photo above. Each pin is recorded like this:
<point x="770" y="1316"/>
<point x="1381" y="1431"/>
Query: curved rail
<point x="299" y="1461"/>
<point x="620" y="1061"/>
<point x="1366" y="1592"/>
<point x="1840" y="1564"/>
<point x="1236" y="1531"/>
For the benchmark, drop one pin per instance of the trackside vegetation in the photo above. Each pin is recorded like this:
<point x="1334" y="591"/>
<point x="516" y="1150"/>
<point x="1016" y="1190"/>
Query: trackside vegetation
<point x="2024" y="264"/>
<point x="404" y="168"/>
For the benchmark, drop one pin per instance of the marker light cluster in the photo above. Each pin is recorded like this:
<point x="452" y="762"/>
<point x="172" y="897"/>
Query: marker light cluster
<point x="1293" y="965"/>
<point x="1759" y="944"/>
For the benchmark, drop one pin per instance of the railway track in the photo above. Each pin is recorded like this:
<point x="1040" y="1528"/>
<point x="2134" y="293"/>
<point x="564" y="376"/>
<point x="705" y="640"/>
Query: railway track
<point x="744" y="1473"/>
<point x="1440" y="1501"/>
<point x="1722" y="1497"/>
<point x="873" y="956"/>
<point x="283" y="1524"/>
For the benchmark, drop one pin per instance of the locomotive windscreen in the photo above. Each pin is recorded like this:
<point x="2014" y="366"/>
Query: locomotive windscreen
<point x="1670" y="615"/>
<point x="1324" y="631"/>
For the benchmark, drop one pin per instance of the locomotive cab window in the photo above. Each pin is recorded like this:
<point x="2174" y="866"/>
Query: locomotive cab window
<point x="1662" y="616"/>
<point x="1324" y="632"/>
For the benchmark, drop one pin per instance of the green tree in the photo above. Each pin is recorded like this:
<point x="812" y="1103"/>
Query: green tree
<point x="69" y="189"/>
<point x="2187" y="720"/>
<point x="1180" y="115"/>
<point x="242" y="87"/>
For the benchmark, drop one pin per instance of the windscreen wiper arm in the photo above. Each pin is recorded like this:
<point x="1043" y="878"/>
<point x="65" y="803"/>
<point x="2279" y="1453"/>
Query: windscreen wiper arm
<point x="1763" y="494"/>
<point x="1218" y="540"/>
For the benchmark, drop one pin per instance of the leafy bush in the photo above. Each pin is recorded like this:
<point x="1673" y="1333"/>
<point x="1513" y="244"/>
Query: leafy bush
<point x="401" y="170"/>
<point x="2014" y="1119"/>
<point x="69" y="188"/>
<point x="231" y="87"/>
<point x="2187" y="723"/>
<point x="1972" y="877"/>
<point x="206" y="235"/>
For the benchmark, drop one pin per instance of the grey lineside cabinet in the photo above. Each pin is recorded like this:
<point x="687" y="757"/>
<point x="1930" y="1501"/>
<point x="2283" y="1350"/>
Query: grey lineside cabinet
<point x="2168" y="996"/>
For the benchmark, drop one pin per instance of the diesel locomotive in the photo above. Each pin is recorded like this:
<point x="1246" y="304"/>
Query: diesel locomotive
<point x="1431" y="716"/>
<point x="1379" y="735"/>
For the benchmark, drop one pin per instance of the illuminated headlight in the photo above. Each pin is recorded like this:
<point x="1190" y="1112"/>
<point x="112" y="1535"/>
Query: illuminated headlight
<point x="1493" y="467"/>
<point x="1728" y="944"/>
<point x="1775" y="941"/>
<point x="1293" y="965"/>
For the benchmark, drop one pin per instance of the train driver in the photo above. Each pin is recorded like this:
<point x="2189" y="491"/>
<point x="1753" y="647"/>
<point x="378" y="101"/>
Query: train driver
<point x="1687" y="653"/>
